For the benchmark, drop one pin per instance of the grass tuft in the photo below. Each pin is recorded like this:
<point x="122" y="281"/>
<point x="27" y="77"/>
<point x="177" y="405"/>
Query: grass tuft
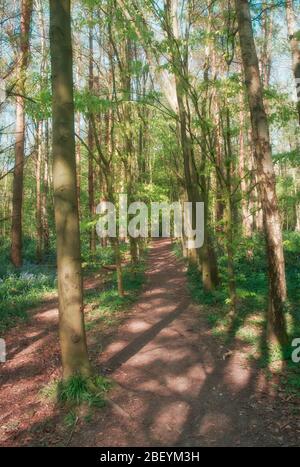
<point x="78" y="390"/>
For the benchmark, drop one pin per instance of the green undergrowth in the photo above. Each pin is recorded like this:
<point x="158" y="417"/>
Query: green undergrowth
<point x="22" y="290"/>
<point x="106" y="305"/>
<point x="78" y="390"/>
<point x="25" y="288"/>
<point x="248" y="327"/>
<point x="91" y="262"/>
<point x="77" y="397"/>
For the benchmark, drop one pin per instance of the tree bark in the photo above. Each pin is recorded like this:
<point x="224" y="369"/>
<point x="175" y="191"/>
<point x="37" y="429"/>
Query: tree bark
<point x="246" y="214"/>
<point x="17" y="202"/>
<point x="78" y="160"/>
<point x="295" y="48"/>
<point x="70" y="287"/>
<point x="39" y="225"/>
<point x="266" y="176"/>
<point x="46" y="234"/>
<point x="266" y="59"/>
<point x="91" y="149"/>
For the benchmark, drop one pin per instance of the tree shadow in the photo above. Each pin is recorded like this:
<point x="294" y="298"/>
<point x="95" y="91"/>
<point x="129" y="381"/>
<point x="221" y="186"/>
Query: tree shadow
<point x="173" y="386"/>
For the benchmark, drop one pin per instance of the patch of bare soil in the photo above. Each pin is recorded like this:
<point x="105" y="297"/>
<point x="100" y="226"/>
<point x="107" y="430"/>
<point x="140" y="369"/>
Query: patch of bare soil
<point x="174" y="384"/>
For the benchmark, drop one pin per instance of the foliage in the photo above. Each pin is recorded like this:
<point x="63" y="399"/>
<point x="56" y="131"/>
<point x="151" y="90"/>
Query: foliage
<point x="106" y="304"/>
<point x="248" y="326"/>
<point x="79" y="390"/>
<point x="23" y="289"/>
<point x="76" y="391"/>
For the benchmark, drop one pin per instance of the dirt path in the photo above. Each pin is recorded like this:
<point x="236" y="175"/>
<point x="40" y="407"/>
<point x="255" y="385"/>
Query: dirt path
<point x="173" y="385"/>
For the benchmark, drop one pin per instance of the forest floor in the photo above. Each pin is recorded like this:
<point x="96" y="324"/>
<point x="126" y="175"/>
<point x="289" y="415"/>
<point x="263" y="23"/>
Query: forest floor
<point x="174" y="383"/>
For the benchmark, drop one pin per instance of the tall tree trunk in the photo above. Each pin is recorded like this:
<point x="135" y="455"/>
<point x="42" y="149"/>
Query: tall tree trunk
<point x="230" y="255"/>
<point x="266" y="176"/>
<point x="78" y="160"/>
<point x="116" y="248"/>
<point x="70" y="287"/>
<point x="297" y="215"/>
<point x="219" y="192"/>
<point x="42" y="212"/>
<point x="39" y="225"/>
<point x="91" y="148"/>
<point x="246" y="214"/>
<point x="229" y="224"/>
<point x="46" y="234"/>
<point x="91" y="187"/>
<point x="296" y="178"/>
<point x="255" y="200"/>
<point x="295" y="48"/>
<point x="16" y="228"/>
<point x="266" y="62"/>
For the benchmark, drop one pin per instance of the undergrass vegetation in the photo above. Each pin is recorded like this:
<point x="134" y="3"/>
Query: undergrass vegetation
<point x="91" y="262"/>
<point x="78" y="397"/>
<point x="24" y="288"/>
<point x="249" y="325"/>
<point x="105" y="305"/>
<point x="27" y="287"/>
<point x="77" y="390"/>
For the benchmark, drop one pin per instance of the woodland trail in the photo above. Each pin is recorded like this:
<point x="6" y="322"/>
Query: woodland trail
<point x="173" y="386"/>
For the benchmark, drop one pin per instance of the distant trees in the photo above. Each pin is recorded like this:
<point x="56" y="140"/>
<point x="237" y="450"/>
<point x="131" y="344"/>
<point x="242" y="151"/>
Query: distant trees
<point x="169" y="105"/>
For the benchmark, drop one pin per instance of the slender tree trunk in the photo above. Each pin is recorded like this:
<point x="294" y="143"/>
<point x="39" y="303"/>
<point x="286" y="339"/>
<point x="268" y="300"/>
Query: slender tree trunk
<point x="130" y="174"/>
<point x="219" y="192"/>
<point x="78" y="160"/>
<point x="255" y="200"/>
<point x="17" y="203"/>
<point x="39" y="225"/>
<point x="266" y="62"/>
<point x="246" y="214"/>
<point x="91" y="188"/>
<point x="297" y="209"/>
<point x="46" y="234"/>
<point x="229" y="224"/>
<point x="134" y="250"/>
<point x="43" y="147"/>
<point x="116" y="247"/>
<point x="70" y="287"/>
<point x="230" y="255"/>
<point x="295" y="48"/>
<point x="266" y="175"/>
<point x="296" y="179"/>
<point x="91" y="148"/>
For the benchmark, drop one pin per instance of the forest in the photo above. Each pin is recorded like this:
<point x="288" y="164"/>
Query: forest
<point x="143" y="336"/>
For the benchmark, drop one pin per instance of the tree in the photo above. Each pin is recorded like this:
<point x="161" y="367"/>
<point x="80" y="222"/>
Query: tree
<point x="266" y="176"/>
<point x="91" y="147"/>
<point x="70" y="287"/>
<point x="16" y="227"/>
<point x="295" y="48"/>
